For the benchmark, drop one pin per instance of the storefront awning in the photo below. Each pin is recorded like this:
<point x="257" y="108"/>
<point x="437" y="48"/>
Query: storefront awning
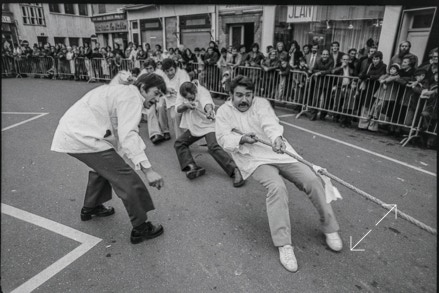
<point x="138" y="6"/>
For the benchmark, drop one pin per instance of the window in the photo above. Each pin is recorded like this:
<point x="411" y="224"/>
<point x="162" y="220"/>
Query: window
<point x="59" y="40"/>
<point x="42" y="41"/>
<point x="68" y="9"/>
<point x="134" y="25"/>
<point x="54" y="7"/>
<point x="83" y="10"/>
<point x="74" y="41"/>
<point x="33" y="14"/>
<point x="101" y="8"/>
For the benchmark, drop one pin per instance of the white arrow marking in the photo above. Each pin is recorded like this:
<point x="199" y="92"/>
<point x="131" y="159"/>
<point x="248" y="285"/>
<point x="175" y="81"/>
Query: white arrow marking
<point x="394" y="206"/>
<point x="352" y="248"/>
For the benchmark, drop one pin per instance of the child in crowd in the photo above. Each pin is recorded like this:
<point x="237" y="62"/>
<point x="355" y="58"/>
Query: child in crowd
<point x="385" y="96"/>
<point x="284" y="72"/>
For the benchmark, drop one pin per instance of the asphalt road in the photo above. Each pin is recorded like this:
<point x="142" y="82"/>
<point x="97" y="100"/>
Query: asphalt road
<point x="216" y="237"/>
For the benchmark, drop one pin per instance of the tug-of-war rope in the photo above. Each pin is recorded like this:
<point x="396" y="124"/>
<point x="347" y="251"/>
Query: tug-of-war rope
<point x="350" y="186"/>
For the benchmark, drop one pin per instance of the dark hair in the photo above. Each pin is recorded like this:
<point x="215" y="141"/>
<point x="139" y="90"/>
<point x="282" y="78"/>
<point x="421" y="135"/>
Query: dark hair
<point x="148" y="62"/>
<point x="149" y="80"/>
<point x="168" y="63"/>
<point x="296" y="44"/>
<point x="196" y="49"/>
<point x="223" y="50"/>
<point x="372" y="47"/>
<point x="301" y="59"/>
<point x="159" y="47"/>
<point x="408" y="42"/>
<point x="242" y="46"/>
<point x="370" y="42"/>
<point x="420" y="72"/>
<point x="135" y="71"/>
<point x="335" y="42"/>
<point x="306" y="45"/>
<point x="378" y="54"/>
<point x="315" y="44"/>
<point x="187" y="87"/>
<point x="241" y="80"/>
<point x="255" y="45"/>
<point x="353" y="49"/>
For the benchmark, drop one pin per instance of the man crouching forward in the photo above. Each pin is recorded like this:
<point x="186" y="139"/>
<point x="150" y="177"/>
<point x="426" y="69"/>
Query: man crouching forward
<point x="255" y="117"/>
<point x="196" y="104"/>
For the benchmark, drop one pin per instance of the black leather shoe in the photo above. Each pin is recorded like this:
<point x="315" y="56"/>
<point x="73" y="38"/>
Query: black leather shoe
<point x="167" y="136"/>
<point x="99" y="211"/>
<point x="157" y="139"/>
<point x="238" y="181"/>
<point x="195" y="171"/>
<point x="144" y="232"/>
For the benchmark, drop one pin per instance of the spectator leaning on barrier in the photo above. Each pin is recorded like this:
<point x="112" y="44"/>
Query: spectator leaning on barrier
<point x="306" y="49"/>
<point x="431" y="66"/>
<point x="364" y="52"/>
<point x="313" y="57"/>
<point x="322" y="67"/>
<point x="429" y="113"/>
<point x="88" y="132"/>
<point x="281" y="52"/>
<point x="128" y="50"/>
<point x="255" y="57"/>
<point x="353" y="61"/>
<point x="244" y="54"/>
<point x="255" y="118"/>
<point x="369" y="84"/>
<point x="284" y="72"/>
<point x="211" y="57"/>
<point x="234" y="59"/>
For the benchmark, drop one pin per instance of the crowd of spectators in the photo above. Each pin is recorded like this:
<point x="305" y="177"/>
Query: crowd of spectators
<point x="366" y="85"/>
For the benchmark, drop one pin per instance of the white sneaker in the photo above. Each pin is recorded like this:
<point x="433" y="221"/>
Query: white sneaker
<point x="334" y="241"/>
<point x="287" y="258"/>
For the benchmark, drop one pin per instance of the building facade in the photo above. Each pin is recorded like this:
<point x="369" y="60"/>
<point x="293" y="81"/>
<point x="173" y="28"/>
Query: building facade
<point x="40" y="23"/>
<point x="9" y="28"/>
<point x="110" y="24"/>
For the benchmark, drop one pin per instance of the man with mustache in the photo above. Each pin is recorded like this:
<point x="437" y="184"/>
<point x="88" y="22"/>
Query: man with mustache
<point x="404" y="51"/>
<point x="98" y="126"/>
<point x="254" y="117"/>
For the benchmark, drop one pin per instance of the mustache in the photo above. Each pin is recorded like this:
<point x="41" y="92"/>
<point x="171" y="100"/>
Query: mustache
<point x="243" y="104"/>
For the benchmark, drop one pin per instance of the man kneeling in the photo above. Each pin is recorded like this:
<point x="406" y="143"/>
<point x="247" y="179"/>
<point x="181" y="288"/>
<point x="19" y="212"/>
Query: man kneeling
<point x="197" y="107"/>
<point x="255" y="117"/>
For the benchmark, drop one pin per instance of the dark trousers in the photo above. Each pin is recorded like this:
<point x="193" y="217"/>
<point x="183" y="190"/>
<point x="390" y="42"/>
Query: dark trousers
<point x="185" y="157"/>
<point x="111" y="171"/>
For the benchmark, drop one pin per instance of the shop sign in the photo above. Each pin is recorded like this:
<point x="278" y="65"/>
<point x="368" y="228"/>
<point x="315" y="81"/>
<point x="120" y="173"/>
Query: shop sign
<point x="238" y="7"/>
<point x="6" y="19"/>
<point x="111" y="26"/>
<point x="108" y="17"/>
<point x="300" y="13"/>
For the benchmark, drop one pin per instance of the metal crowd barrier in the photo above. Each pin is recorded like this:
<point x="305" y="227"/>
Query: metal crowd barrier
<point x="373" y="104"/>
<point x="36" y="66"/>
<point x="8" y="66"/>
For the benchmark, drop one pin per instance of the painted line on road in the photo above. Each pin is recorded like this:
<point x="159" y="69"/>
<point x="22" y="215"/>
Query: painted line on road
<point x="87" y="242"/>
<point x="25" y="121"/>
<point x="286" y="115"/>
<point x="361" y="149"/>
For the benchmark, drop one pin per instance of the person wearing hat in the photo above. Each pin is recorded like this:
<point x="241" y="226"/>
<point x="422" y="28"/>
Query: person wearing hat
<point x="197" y="108"/>
<point x="100" y="128"/>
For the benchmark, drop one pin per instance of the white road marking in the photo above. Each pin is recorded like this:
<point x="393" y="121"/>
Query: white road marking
<point x="25" y="121"/>
<point x="361" y="149"/>
<point x="87" y="242"/>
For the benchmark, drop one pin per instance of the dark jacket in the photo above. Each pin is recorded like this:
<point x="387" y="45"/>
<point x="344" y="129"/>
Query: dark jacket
<point x="323" y="67"/>
<point x="374" y="72"/>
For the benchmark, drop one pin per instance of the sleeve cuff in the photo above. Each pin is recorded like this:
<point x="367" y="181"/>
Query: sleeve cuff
<point x="141" y="159"/>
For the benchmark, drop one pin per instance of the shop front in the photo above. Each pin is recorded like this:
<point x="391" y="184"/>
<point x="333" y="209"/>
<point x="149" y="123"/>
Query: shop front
<point x="240" y="25"/>
<point x="195" y="31"/>
<point x="9" y="31"/>
<point x="351" y="26"/>
<point x="111" y="29"/>
<point x="151" y="32"/>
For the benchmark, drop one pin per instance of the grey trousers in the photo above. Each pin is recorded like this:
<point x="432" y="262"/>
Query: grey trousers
<point x="111" y="171"/>
<point x="158" y="120"/>
<point x="270" y="176"/>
